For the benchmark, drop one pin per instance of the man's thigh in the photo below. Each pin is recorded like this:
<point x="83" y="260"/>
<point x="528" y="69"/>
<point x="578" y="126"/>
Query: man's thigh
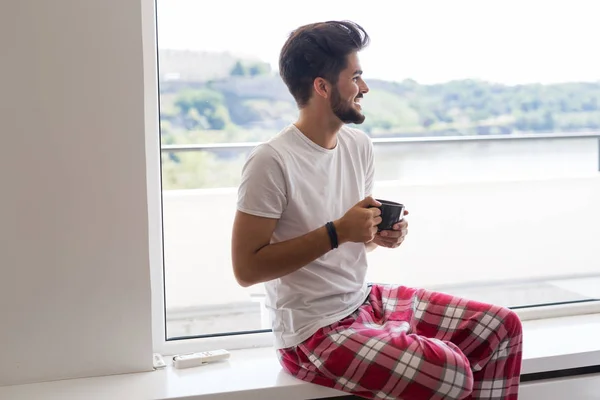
<point x="469" y="324"/>
<point x="383" y="361"/>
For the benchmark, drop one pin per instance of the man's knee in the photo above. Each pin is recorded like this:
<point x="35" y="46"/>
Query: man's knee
<point x="512" y="324"/>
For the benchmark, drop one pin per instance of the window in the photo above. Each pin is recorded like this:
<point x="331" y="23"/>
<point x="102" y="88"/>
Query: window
<point x="486" y="124"/>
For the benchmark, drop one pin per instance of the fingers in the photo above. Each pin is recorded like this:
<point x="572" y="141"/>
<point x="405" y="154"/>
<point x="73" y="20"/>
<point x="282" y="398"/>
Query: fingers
<point x="394" y="237"/>
<point x="375" y="216"/>
<point x="399" y="229"/>
<point x="374" y="222"/>
<point x="402" y="225"/>
<point x="375" y="211"/>
<point x="389" y="242"/>
<point x="373" y="219"/>
<point x="369" y="202"/>
<point x="393" y="234"/>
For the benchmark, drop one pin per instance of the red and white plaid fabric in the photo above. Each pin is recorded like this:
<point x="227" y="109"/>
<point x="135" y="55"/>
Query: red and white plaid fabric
<point x="406" y="343"/>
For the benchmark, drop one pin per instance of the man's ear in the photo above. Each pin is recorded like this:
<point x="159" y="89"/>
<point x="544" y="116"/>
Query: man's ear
<point x="322" y="87"/>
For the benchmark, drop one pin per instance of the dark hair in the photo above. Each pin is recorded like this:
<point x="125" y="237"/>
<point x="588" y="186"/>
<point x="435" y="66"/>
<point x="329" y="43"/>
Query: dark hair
<point x="318" y="50"/>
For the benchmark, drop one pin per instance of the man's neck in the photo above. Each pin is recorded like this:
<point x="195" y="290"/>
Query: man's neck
<point x="321" y="130"/>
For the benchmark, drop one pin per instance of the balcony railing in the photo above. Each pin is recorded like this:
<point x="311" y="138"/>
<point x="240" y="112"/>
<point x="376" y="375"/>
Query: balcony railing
<point x="393" y="140"/>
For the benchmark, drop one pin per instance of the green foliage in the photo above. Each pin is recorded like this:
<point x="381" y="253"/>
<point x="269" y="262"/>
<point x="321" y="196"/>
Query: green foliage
<point x="392" y="108"/>
<point x="259" y="69"/>
<point x="267" y="110"/>
<point x="238" y="69"/>
<point x="202" y="108"/>
<point x="386" y="111"/>
<point x="250" y="69"/>
<point x="252" y="106"/>
<point x="200" y="169"/>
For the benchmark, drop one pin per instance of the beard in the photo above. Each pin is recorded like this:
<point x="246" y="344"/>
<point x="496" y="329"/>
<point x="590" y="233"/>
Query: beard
<point x="345" y="110"/>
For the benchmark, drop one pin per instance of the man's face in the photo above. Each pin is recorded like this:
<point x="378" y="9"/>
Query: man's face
<point x="347" y="93"/>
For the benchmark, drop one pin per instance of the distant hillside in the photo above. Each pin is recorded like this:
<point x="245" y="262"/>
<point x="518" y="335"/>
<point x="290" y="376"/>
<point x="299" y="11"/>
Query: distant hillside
<point x="244" y="100"/>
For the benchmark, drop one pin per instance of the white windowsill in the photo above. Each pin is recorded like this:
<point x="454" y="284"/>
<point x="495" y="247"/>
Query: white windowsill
<point x="550" y="344"/>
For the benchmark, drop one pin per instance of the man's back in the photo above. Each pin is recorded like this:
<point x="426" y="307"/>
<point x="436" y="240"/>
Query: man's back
<point x="302" y="184"/>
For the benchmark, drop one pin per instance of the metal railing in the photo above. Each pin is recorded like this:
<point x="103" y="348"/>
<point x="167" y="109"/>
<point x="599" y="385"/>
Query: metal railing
<point x="175" y="148"/>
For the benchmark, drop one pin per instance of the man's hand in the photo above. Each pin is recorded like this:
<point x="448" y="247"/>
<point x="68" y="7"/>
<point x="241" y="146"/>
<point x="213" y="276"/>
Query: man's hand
<point x="359" y="224"/>
<point x="392" y="238"/>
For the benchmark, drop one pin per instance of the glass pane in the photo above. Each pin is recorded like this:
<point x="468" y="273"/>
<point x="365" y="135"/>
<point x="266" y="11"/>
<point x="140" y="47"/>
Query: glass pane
<point x="456" y="96"/>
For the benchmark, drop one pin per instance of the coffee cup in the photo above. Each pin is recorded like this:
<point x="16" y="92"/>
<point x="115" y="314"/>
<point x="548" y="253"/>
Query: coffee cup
<point x="391" y="214"/>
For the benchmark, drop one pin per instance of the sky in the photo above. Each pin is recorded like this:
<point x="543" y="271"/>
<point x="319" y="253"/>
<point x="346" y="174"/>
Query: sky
<point x="430" y="41"/>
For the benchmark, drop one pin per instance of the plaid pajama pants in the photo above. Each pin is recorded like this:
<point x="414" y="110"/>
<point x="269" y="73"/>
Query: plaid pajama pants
<point x="406" y="343"/>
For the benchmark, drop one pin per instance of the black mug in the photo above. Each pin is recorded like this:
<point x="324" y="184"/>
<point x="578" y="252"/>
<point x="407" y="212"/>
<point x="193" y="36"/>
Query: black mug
<point x="391" y="214"/>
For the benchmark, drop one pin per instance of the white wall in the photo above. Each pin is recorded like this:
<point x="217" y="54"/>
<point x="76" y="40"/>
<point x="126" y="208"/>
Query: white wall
<point x="74" y="275"/>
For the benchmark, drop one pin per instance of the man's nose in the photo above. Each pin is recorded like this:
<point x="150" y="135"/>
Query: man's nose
<point x="364" y="88"/>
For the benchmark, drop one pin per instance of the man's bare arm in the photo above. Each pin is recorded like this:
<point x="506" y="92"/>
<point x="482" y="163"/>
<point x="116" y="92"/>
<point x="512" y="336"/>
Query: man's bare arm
<point x="255" y="260"/>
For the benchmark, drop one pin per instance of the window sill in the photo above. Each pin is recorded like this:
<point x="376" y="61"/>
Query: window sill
<point x="551" y="344"/>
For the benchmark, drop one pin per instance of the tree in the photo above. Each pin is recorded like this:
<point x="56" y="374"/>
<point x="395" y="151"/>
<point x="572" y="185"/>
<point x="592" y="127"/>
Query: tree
<point x="238" y="69"/>
<point x="259" y="69"/>
<point x="254" y="69"/>
<point x="203" y="108"/>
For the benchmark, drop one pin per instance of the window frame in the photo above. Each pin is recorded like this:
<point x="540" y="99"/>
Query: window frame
<point x="155" y="227"/>
<point x="161" y="344"/>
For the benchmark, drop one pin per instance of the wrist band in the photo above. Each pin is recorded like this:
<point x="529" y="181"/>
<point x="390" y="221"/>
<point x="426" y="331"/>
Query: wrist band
<point x="332" y="235"/>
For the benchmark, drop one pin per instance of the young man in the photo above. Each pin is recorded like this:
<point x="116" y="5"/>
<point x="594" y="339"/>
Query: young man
<point x="304" y="224"/>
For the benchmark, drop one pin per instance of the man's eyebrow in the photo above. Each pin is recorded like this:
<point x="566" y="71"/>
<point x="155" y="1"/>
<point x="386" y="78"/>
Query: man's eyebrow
<point x="358" y="72"/>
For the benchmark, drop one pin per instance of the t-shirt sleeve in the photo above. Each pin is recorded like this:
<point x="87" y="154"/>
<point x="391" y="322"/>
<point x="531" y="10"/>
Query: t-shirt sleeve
<point x="370" y="169"/>
<point x="263" y="190"/>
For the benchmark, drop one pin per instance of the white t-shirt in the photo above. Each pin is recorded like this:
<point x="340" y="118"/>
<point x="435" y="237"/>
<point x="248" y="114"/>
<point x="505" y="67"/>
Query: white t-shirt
<point x="304" y="186"/>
